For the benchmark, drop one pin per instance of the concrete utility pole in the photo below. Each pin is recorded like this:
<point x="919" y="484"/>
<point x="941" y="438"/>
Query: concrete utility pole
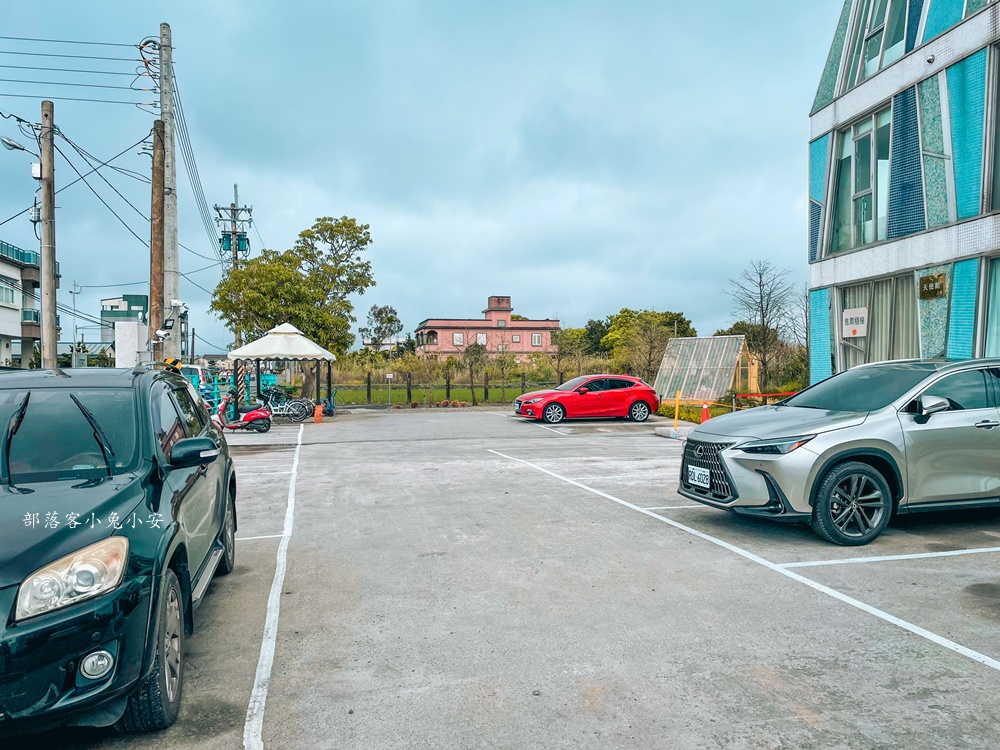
<point x="48" y="270"/>
<point x="237" y="237"/>
<point x="156" y="239"/>
<point x="171" y="261"/>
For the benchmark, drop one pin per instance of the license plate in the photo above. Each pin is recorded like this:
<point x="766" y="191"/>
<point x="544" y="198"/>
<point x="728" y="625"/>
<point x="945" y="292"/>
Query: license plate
<point x="699" y="477"/>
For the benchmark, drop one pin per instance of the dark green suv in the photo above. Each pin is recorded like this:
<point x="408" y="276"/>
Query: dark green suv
<point x="117" y="507"/>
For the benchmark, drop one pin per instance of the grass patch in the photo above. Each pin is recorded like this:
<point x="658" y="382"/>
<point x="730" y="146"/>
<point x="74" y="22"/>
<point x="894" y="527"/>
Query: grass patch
<point x="355" y="395"/>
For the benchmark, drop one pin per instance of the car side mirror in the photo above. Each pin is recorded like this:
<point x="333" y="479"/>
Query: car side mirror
<point x="196" y="451"/>
<point x="582" y="391"/>
<point x="932" y="405"/>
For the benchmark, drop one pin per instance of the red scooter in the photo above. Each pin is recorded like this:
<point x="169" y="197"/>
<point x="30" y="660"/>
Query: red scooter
<point x="257" y="420"/>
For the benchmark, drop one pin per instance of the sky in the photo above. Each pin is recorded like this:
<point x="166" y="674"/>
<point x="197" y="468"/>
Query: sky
<point x="580" y="157"/>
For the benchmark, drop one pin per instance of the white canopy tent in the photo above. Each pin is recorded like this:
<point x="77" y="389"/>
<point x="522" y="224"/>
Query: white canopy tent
<point x="284" y="342"/>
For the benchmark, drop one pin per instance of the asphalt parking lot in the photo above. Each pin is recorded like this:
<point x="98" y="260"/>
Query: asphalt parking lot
<point x="437" y="579"/>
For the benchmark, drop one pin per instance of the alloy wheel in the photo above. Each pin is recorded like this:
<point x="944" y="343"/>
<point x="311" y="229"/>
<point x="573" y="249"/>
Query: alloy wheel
<point x="172" y="645"/>
<point x="857" y="505"/>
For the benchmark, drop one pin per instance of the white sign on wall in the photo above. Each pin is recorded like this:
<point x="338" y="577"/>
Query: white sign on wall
<point x="855" y="323"/>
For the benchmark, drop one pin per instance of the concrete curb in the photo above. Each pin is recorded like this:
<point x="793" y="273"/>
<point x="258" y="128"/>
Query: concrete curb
<point x="668" y="432"/>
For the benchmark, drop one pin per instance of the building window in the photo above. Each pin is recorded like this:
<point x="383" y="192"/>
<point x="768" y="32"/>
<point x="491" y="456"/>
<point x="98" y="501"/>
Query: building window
<point x="861" y="193"/>
<point x="500" y="348"/>
<point x="993" y="311"/>
<point x="879" y="39"/>
<point x="890" y="312"/>
<point x="481" y="339"/>
<point x="458" y="339"/>
<point x="515" y="339"/>
<point x="501" y="324"/>
<point x="536" y="339"/>
<point x="8" y="295"/>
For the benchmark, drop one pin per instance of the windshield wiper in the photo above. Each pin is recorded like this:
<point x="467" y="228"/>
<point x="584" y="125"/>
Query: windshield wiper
<point x="13" y="425"/>
<point x="99" y="436"/>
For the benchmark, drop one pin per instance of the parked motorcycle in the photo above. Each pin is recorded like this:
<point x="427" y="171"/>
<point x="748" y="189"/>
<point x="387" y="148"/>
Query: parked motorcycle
<point x="257" y="420"/>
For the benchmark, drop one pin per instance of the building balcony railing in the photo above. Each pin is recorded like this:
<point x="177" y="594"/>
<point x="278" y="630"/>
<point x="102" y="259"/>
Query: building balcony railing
<point x="25" y="257"/>
<point x="34" y="316"/>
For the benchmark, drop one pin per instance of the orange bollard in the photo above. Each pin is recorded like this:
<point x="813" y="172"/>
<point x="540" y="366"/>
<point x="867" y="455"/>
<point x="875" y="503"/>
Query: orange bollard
<point x="318" y="413"/>
<point x="705" y="416"/>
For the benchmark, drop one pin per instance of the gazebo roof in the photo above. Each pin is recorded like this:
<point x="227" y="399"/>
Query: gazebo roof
<point x="283" y="342"/>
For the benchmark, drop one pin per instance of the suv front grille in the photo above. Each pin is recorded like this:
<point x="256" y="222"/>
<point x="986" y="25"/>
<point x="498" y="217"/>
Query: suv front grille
<point x="706" y="456"/>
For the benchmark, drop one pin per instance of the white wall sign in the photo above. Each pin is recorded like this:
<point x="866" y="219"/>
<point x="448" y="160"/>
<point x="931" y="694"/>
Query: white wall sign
<point x="388" y="376"/>
<point x="855" y="323"/>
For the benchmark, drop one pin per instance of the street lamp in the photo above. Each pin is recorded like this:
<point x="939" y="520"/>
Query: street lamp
<point x="11" y="145"/>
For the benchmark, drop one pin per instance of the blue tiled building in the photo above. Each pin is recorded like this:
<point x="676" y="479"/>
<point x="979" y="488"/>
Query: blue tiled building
<point x="904" y="185"/>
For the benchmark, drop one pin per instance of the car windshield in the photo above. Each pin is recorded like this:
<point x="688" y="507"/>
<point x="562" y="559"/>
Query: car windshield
<point x="863" y="388"/>
<point x="572" y="385"/>
<point x="55" y="441"/>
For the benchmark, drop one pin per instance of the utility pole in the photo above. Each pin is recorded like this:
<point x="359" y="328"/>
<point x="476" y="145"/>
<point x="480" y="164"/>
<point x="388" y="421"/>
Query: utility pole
<point x="191" y="350"/>
<point x="236" y="239"/>
<point x="171" y="261"/>
<point x="48" y="270"/>
<point x="156" y="240"/>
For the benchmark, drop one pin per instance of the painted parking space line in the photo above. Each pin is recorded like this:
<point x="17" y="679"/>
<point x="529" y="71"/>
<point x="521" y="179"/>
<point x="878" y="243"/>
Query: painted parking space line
<point x="890" y="558"/>
<point x="254" y="726"/>
<point x="815" y="585"/>
<point x="252" y="538"/>
<point x="675" y="507"/>
<point x="262" y="473"/>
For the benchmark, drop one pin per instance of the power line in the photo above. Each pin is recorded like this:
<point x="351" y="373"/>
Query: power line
<point x="81" y="85"/>
<point x="184" y="138"/>
<point x="217" y="348"/>
<point x="80" y="99"/>
<point x="73" y="70"/>
<point x="120" y="219"/>
<point x="64" y="187"/>
<point x="65" y="41"/>
<point x="108" y="286"/>
<point x="205" y="257"/>
<point x="79" y="151"/>
<point x="71" y="57"/>
<point x="195" y="283"/>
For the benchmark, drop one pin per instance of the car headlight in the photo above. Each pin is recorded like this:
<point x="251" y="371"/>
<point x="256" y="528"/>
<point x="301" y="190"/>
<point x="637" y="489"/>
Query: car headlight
<point x="779" y="446"/>
<point x="532" y="401"/>
<point x="84" y="574"/>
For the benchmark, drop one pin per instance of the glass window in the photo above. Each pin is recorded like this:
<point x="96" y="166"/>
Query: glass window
<point x="501" y="324"/>
<point x="36" y="457"/>
<point x="192" y="416"/>
<point x="615" y="384"/>
<point x="481" y="339"/>
<point x="893" y="331"/>
<point x="879" y="38"/>
<point x="458" y="339"/>
<point x="596" y="385"/>
<point x="861" y="192"/>
<point x="8" y="295"/>
<point x="862" y="389"/>
<point x="516" y="339"/>
<point x="536" y="339"/>
<point x="993" y="310"/>
<point x="572" y="385"/>
<point x="964" y="390"/>
<point x="167" y="424"/>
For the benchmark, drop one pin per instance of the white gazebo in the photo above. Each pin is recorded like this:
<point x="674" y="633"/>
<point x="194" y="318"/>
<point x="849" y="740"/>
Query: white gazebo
<point x="285" y="342"/>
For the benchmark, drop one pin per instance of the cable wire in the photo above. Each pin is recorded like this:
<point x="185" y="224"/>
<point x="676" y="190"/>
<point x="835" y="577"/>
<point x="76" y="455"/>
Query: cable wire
<point x="71" y="57"/>
<point x="65" y="41"/>
<point x="81" y="85"/>
<point x="70" y="70"/>
<point x="81" y="99"/>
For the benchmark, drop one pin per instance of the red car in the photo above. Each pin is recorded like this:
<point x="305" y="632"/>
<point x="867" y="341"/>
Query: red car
<point x="590" y="396"/>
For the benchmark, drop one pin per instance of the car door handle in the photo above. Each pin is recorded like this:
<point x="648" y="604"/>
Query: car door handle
<point x="987" y="424"/>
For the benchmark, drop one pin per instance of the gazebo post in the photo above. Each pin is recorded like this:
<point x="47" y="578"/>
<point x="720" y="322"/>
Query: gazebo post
<point x="318" y="397"/>
<point x="259" y="396"/>
<point x="329" y="386"/>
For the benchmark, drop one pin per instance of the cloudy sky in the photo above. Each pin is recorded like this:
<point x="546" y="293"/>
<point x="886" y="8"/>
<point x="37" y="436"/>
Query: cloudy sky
<point x="578" y="156"/>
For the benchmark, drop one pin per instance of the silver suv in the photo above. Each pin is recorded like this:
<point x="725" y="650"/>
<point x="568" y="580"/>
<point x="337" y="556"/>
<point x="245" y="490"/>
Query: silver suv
<point x="843" y="455"/>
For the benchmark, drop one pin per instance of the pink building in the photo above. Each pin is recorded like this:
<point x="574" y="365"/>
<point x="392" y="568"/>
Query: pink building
<point x="496" y="331"/>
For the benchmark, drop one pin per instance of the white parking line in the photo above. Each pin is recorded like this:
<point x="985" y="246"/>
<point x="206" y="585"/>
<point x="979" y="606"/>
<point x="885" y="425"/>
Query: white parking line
<point x="262" y="473"/>
<point x="251" y="538"/>
<point x="252" y="729"/>
<point x="908" y="626"/>
<point x="675" y="507"/>
<point x="890" y="558"/>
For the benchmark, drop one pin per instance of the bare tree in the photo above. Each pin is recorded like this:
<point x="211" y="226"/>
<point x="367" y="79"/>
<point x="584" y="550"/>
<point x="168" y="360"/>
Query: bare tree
<point x="764" y="298"/>
<point x="504" y="363"/>
<point x="646" y="341"/>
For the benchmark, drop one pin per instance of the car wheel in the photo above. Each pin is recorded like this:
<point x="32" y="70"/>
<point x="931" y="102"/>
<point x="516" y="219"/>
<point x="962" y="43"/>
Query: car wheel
<point x="228" y="561"/>
<point x="154" y="704"/>
<point x="639" y="411"/>
<point x="553" y="413"/>
<point x="853" y="505"/>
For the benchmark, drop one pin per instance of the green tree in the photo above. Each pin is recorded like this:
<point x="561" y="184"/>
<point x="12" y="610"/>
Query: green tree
<point x="308" y="286"/>
<point x="474" y="358"/>
<point x="571" y="346"/>
<point x="504" y="363"/>
<point x="638" y="338"/>
<point x="596" y="331"/>
<point x="383" y="325"/>
<point x="515" y="316"/>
